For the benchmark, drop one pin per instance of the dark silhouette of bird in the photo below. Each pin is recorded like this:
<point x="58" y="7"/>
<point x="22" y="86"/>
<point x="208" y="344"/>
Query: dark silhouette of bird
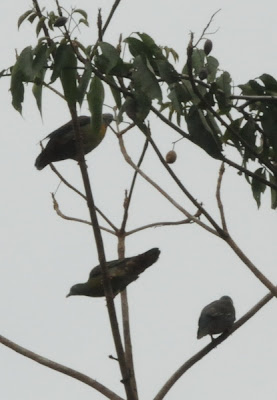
<point x="216" y="317"/>
<point x="62" y="143"/>
<point x="121" y="274"/>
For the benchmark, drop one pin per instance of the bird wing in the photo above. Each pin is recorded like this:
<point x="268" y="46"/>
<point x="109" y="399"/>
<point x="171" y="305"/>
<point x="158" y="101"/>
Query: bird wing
<point x="66" y="131"/>
<point x="114" y="267"/>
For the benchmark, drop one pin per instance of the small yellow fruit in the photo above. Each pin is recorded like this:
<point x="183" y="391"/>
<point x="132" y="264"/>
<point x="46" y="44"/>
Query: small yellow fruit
<point x="171" y="156"/>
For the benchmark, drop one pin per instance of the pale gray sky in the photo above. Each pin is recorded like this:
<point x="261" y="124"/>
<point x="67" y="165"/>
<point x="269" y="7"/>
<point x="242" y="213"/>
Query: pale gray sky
<point x="42" y="255"/>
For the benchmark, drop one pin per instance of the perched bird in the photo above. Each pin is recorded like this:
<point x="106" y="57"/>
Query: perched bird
<point x="62" y="143"/>
<point x="121" y="273"/>
<point x="216" y="317"/>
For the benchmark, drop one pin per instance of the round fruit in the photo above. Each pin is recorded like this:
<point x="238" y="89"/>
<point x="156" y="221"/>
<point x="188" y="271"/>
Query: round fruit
<point x="208" y="46"/>
<point x="171" y="156"/>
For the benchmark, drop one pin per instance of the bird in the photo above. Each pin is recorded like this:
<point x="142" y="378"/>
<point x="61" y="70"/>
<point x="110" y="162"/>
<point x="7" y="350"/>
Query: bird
<point x="121" y="274"/>
<point x="216" y="317"/>
<point x="62" y="143"/>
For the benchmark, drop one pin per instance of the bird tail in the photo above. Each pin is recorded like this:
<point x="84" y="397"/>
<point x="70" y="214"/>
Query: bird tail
<point x="42" y="160"/>
<point x="144" y="260"/>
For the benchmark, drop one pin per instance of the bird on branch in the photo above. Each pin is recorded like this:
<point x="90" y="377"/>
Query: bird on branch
<point x="121" y="274"/>
<point x="62" y="142"/>
<point x="216" y="317"/>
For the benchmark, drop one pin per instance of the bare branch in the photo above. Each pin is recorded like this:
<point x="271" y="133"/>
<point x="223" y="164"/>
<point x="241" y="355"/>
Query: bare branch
<point x="182" y="187"/>
<point x="159" y="224"/>
<point x="113" y="9"/>
<point x="60" y="214"/>
<point x="160" y="190"/>
<point x="54" y="169"/>
<point x="198" y="356"/>
<point x="129" y="197"/>
<point x="262" y="278"/>
<point x="60" y="368"/>
<point x="207" y="26"/>
<point x="101" y="256"/>
<point x="218" y="197"/>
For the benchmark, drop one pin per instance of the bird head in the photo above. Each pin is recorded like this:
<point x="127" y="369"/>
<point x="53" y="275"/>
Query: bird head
<point x="76" y="290"/>
<point x="227" y="299"/>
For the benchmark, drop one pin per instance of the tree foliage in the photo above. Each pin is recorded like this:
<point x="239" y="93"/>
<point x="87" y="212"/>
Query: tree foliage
<point x="197" y="100"/>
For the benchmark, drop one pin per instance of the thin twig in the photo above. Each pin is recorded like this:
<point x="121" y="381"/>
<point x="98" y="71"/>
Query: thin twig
<point x="182" y="187"/>
<point x="114" y="7"/>
<point x="160" y="224"/>
<point x="60" y="368"/>
<point x="207" y="26"/>
<point x="218" y="197"/>
<point x="160" y="190"/>
<point x="83" y="221"/>
<point x="198" y="356"/>
<point x="44" y="27"/>
<point x="54" y="169"/>
<point x="127" y="201"/>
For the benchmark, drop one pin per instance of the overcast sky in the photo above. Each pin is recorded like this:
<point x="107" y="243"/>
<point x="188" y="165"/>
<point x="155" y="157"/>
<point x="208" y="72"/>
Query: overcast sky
<point x="42" y="256"/>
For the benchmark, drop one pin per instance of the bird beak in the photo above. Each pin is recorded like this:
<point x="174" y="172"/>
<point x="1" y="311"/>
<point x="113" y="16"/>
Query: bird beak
<point x="68" y="295"/>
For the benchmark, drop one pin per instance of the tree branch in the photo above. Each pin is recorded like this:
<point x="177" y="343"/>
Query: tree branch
<point x="159" y="224"/>
<point x="129" y="197"/>
<point x="218" y="197"/>
<point x="60" y="368"/>
<point x="160" y="190"/>
<point x="102" y="259"/>
<point x="60" y="214"/>
<point x="198" y="356"/>
<point x="54" y="169"/>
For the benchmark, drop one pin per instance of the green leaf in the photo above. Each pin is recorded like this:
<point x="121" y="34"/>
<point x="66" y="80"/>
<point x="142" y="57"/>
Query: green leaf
<point x="95" y="99"/>
<point x="201" y="134"/>
<point x="21" y="72"/>
<point x="116" y="93"/>
<point x="25" y="64"/>
<point x="83" y="83"/>
<point x="224" y="83"/>
<point x="136" y="46"/>
<point x="41" y="53"/>
<point x="83" y="21"/>
<point x="247" y="132"/>
<point x="212" y="66"/>
<point x="40" y="24"/>
<point x="258" y="187"/>
<point x="145" y="80"/>
<point x="269" y="124"/>
<point x="37" y="88"/>
<point x="198" y="60"/>
<point x="178" y="95"/>
<point x="82" y="12"/>
<point x="151" y="46"/>
<point x="32" y="17"/>
<point x="228" y="135"/>
<point x="167" y="71"/>
<point x="110" y="56"/>
<point x="23" y="17"/>
<point x="65" y="64"/>
<point x="269" y="82"/>
<point x="17" y="89"/>
<point x="137" y="107"/>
